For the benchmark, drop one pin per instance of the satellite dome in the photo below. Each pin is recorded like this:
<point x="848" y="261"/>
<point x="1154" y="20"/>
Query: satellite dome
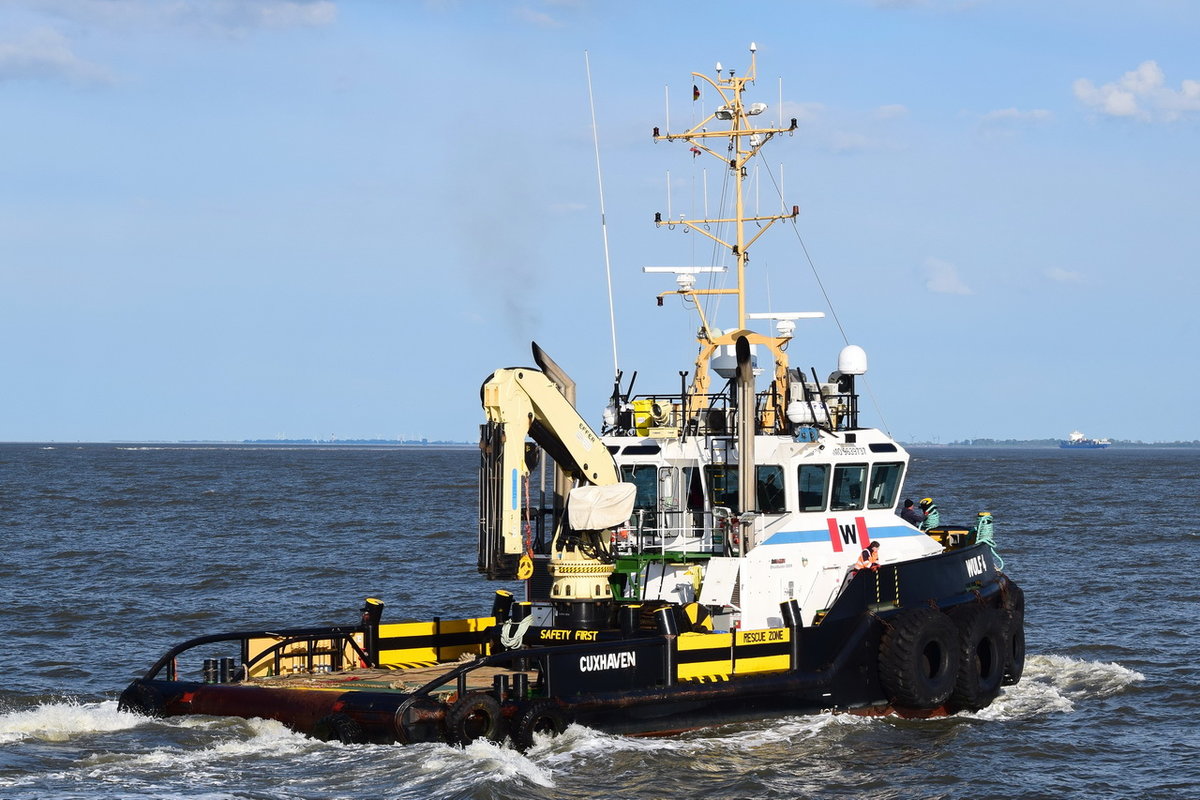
<point x="852" y="360"/>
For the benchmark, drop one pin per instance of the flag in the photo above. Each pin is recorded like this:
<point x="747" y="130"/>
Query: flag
<point x="695" y="92"/>
<point x="695" y="152"/>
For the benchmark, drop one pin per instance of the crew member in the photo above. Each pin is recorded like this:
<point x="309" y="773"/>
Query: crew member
<point x="932" y="519"/>
<point x="911" y="515"/>
<point x="869" y="558"/>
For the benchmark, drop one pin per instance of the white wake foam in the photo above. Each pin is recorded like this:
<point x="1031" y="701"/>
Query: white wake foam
<point x="1053" y="684"/>
<point x="60" y="721"/>
<point x="485" y="762"/>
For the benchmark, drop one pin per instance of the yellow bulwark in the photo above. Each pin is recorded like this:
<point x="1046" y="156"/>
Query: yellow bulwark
<point x="306" y="655"/>
<point x="766" y="650"/>
<point x="405" y="644"/>
<point x="716" y="656"/>
<point x="703" y="656"/>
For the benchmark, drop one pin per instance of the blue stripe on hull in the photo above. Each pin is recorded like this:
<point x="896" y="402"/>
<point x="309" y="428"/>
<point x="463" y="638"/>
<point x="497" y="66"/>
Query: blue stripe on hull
<point x="813" y="537"/>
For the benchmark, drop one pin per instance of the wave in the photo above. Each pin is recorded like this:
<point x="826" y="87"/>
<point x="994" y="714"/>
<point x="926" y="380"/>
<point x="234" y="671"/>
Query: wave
<point x="485" y="762"/>
<point x="64" y="720"/>
<point x="1053" y="684"/>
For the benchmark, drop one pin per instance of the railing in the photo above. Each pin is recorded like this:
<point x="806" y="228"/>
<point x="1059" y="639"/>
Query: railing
<point x="341" y="640"/>
<point x="686" y="532"/>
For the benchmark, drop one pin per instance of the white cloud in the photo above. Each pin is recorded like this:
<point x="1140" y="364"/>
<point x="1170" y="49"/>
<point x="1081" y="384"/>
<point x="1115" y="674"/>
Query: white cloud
<point x="45" y="54"/>
<point x="803" y="112"/>
<point x="1016" y="115"/>
<point x="236" y="17"/>
<point x="539" y="18"/>
<point x="842" y="131"/>
<point x="1005" y="122"/>
<point x="941" y="277"/>
<point x="1060" y="275"/>
<point x="851" y="142"/>
<point x="1141" y="93"/>
<point x="893" y="111"/>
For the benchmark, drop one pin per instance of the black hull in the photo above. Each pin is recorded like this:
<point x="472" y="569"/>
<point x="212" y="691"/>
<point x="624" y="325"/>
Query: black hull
<point x="633" y="685"/>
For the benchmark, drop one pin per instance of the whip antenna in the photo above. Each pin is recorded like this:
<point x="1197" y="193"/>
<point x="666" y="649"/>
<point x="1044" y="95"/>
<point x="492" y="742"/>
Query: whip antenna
<point x="612" y="318"/>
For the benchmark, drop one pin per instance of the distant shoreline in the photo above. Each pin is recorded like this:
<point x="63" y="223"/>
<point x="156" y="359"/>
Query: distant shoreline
<point x="1030" y="444"/>
<point x="1115" y="444"/>
<point x="247" y="443"/>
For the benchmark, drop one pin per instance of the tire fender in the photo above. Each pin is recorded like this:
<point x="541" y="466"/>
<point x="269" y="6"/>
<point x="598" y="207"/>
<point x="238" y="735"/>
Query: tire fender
<point x="141" y="699"/>
<point x="981" y="657"/>
<point x="1014" y="646"/>
<point x="540" y="716"/>
<point x="339" y="727"/>
<point x="474" y="716"/>
<point x="918" y="659"/>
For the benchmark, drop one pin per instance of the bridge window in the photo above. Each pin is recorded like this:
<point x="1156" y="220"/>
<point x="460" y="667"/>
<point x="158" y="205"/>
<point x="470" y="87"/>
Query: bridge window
<point x="723" y="482"/>
<point x="814" y="482"/>
<point x="769" y="478"/>
<point x="848" y="480"/>
<point x="885" y="482"/>
<point x="645" y="478"/>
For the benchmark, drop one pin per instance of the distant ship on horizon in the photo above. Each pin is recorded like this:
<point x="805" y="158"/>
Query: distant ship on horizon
<point x="1077" y="441"/>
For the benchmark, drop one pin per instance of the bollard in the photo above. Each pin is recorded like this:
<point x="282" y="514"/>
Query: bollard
<point x="792" y="619"/>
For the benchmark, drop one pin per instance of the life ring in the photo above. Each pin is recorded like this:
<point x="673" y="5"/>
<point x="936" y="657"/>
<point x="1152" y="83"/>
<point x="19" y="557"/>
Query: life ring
<point x="474" y="716"/>
<point x="339" y="727"/>
<point x="1014" y="646"/>
<point x="981" y="657"/>
<point x="541" y="716"/>
<point x="918" y="659"/>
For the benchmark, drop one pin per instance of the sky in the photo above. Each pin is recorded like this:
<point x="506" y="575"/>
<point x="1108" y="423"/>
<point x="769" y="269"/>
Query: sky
<point x="253" y="219"/>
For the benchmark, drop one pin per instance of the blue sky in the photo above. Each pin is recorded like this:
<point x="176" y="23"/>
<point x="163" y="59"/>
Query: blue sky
<point x="227" y="220"/>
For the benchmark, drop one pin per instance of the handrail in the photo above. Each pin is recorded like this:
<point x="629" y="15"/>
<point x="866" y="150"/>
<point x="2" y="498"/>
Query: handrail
<point x="168" y="659"/>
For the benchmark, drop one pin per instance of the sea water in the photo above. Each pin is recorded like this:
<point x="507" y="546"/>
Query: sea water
<point x="110" y="554"/>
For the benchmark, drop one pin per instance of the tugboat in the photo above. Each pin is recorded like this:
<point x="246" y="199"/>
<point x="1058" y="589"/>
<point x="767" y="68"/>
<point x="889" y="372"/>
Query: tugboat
<point x="723" y="552"/>
<point x="1077" y="441"/>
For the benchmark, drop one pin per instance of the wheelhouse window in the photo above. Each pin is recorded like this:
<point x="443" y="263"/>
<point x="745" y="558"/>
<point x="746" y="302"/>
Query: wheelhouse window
<point x="848" y="482"/>
<point x="645" y="478"/>
<point x="814" y="482"/>
<point x="723" y="484"/>
<point x="769" y="482"/>
<point x="885" y="483"/>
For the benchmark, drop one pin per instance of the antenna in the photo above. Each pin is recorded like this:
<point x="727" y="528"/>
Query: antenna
<point x="612" y="318"/>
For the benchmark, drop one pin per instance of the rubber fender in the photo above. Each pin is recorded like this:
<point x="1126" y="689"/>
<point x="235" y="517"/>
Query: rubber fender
<point x="1014" y="599"/>
<point x="141" y="699"/>
<point x="981" y="657"/>
<point x="474" y="716"/>
<point x="1013" y="627"/>
<point x="422" y="721"/>
<point x="918" y="659"/>
<point x="339" y="727"/>
<point x="540" y="716"/>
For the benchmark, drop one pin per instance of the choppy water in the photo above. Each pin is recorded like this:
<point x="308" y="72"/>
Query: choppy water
<point x="109" y="554"/>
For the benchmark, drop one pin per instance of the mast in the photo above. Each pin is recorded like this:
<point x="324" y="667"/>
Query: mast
<point x="731" y="123"/>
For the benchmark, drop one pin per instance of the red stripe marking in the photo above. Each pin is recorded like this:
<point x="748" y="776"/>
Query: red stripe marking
<point x="834" y="536"/>
<point x="864" y="538"/>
